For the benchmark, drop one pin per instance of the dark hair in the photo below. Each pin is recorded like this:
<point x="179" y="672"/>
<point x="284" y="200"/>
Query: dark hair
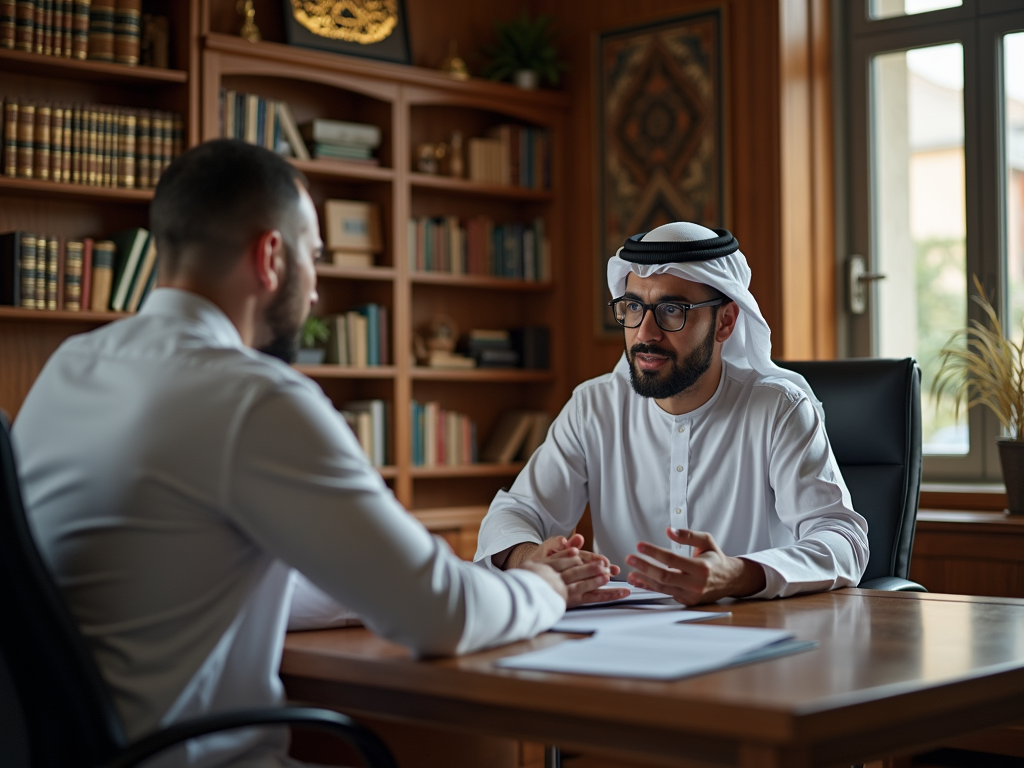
<point x="214" y="199"/>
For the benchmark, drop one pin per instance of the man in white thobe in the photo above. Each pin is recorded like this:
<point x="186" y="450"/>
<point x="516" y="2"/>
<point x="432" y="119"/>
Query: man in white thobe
<point x="696" y="441"/>
<point x="174" y="476"/>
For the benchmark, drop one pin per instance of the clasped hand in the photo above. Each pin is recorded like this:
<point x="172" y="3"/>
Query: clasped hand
<point x="582" y="572"/>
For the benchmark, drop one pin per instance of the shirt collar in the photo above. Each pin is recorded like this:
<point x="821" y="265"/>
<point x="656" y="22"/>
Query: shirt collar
<point x="175" y="302"/>
<point x="699" y="411"/>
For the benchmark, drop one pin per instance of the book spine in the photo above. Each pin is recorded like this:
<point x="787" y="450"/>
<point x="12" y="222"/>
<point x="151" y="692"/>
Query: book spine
<point x="101" y="30"/>
<point x="38" y="25"/>
<point x="41" y="143"/>
<point x="24" y="24"/>
<point x="26" y="132"/>
<point x="57" y="28"/>
<point x="86" y="272"/>
<point x="8" y="23"/>
<point x="27" y="270"/>
<point x="109" y="148"/>
<point x="102" y="275"/>
<point x="11" y="138"/>
<point x="127" y="31"/>
<point x="65" y="149"/>
<point x="129" y="148"/>
<point x="56" y="142"/>
<point x="80" y="29"/>
<point x="78" y="175"/>
<point x="177" y="137"/>
<point x="144" y="149"/>
<point x="48" y="27"/>
<point x="41" y="250"/>
<point x="52" y="271"/>
<point x="92" y="146"/>
<point x="67" y="21"/>
<point x="73" y="275"/>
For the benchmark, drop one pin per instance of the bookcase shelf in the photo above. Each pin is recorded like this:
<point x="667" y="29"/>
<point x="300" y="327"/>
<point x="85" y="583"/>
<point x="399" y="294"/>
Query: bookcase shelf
<point x="469" y="470"/>
<point x="91" y="318"/>
<point x="53" y="189"/>
<point x="480" y="281"/>
<point x="347" y="372"/>
<point x="351" y="273"/>
<point x="467" y="187"/>
<point x="40" y="65"/>
<point x="321" y="168"/>
<point x="483" y="375"/>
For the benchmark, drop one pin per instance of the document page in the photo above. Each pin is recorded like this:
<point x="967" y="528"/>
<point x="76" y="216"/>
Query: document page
<point x="627" y="619"/>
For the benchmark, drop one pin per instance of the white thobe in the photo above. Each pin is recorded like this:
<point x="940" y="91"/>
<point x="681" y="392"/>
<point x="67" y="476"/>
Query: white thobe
<point x="752" y="466"/>
<point x="174" y="478"/>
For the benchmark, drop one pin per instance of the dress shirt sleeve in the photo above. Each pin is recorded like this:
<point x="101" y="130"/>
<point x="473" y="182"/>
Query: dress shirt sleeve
<point x="312" y="608"/>
<point x="811" y="499"/>
<point x="299" y="486"/>
<point x="547" y="498"/>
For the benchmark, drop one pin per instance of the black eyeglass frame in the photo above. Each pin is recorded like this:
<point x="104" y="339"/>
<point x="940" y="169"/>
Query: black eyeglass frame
<point x="654" y="308"/>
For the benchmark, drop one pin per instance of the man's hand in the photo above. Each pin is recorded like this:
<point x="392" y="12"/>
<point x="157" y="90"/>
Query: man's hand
<point x="582" y="572"/>
<point x="550" y="576"/>
<point x="704" y="578"/>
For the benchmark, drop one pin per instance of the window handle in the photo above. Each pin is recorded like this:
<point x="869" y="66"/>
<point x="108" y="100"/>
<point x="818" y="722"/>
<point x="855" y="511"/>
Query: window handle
<point x="858" y="280"/>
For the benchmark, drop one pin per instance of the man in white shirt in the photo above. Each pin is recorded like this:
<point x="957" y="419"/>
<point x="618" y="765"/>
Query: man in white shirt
<point x="696" y="436"/>
<point x="174" y="476"/>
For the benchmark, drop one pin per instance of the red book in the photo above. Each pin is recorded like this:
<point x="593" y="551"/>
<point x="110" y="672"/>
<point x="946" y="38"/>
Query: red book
<point x="87" y="273"/>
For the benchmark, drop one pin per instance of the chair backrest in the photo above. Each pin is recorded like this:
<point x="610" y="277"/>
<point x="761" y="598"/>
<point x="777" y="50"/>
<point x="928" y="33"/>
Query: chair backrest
<point x="69" y="715"/>
<point x="873" y="418"/>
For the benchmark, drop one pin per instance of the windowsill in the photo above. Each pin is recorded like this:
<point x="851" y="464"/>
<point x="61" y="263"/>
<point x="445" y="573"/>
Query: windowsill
<point x="966" y="496"/>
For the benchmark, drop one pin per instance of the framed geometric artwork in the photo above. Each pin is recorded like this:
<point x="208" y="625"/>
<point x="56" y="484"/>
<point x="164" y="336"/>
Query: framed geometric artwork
<point x="660" y="125"/>
<point x="375" y="29"/>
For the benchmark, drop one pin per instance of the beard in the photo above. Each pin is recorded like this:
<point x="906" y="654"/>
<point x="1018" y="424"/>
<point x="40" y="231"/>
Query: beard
<point x="285" y="315"/>
<point x="680" y="377"/>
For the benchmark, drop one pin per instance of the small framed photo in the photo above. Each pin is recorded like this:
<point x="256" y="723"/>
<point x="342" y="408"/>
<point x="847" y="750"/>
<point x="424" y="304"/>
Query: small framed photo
<point x="352" y="225"/>
<point x="374" y="29"/>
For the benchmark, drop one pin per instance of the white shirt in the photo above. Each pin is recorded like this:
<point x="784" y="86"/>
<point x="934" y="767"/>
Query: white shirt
<point x="752" y="466"/>
<point x="174" y="477"/>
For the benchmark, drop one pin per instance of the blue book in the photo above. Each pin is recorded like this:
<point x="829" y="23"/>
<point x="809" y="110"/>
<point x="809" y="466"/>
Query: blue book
<point x="372" y="314"/>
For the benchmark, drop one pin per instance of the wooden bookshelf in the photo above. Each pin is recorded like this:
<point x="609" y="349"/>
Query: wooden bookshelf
<point x="56" y="190"/>
<point x="37" y="64"/>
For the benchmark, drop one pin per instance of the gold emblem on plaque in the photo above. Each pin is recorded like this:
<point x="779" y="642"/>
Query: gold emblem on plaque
<point x="356" y="21"/>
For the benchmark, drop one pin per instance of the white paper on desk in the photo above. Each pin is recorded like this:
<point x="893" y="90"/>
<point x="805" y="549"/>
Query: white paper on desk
<point x="636" y="594"/>
<point x="660" y="653"/>
<point x="628" y="619"/>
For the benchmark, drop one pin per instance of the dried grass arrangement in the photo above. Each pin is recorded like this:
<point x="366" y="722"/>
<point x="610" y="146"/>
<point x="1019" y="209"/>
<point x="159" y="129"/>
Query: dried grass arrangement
<point x="980" y="366"/>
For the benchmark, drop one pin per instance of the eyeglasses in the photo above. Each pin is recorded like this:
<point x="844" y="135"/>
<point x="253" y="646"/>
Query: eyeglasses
<point x="669" y="315"/>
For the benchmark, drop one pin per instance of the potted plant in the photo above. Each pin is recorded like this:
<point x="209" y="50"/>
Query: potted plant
<point x="315" y="332"/>
<point x="980" y="366"/>
<point x="524" y="51"/>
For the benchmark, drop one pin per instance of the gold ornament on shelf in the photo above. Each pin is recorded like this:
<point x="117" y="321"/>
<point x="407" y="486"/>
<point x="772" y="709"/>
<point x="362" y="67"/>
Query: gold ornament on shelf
<point x="249" y="30"/>
<point x="454" y="65"/>
<point x="356" y="21"/>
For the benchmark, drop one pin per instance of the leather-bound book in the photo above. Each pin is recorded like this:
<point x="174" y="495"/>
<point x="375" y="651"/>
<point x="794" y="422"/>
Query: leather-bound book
<point x="38" y="25"/>
<point x="24" y="24"/>
<point x="129" y="149"/>
<point x="41" y="143"/>
<point x="27" y="270"/>
<point x="78" y="139"/>
<point x="127" y="31"/>
<point x="144" y="148"/>
<point x="26" y="134"/>
<point x="56" y="142"/>
<point x="48" y="27"/>
<point x="102" y="275"/>
<point x="73" y="275"/>
<point x="101" y="30"/>
<point x="56" y="28"/>
<point x="52" y="271"/>
<point x="10" y="138"/>
<point x="92" y="160"/>
<point x="80" y="29"/>
<point x="8" y="16"/>
<point x="65" y="149"/>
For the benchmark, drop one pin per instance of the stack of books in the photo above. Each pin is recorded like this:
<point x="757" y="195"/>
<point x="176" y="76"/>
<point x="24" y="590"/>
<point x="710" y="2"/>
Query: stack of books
<point x="368" y="420"/>
<point x="104" y="30"/>
<point x="267" y="123"/>
<point x="341" y="140"/>
<point x="491" y="348"/>
<point x="359" y="337"/>
<point x="89" y="144"/>
<point x="477" y="246"/>
<point x="516" y="435"/>
<point x="46" y="273"/>
<point x="511" y="155"/>
<point x="441" y="438"/>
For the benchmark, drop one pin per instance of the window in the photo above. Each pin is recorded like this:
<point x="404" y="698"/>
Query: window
<point x="935" y="164"/>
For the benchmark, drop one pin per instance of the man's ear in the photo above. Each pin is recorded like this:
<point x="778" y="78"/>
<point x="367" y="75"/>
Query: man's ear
<point x="728" y="314"/>
<point x="268" y="259"/>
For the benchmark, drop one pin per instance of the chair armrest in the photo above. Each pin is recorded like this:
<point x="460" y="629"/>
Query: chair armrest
<point x="371" y="749"/>
<point x="892" y="584"/>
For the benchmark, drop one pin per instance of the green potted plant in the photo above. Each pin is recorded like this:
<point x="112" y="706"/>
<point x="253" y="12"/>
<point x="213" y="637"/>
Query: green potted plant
<point x="315" y="333"/>
<point x="980" y="366"/>
<point x="524" y="52"/>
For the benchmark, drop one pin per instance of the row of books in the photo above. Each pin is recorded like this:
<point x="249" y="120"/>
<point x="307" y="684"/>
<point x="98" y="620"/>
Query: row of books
<point x="368" y="420"/>
<point x="441" y="438"/>
<point x="48" y="273"/>
<point x="516" y="436"/>
<point x="359" y="337"/>
<point x="105" y="30"/>
<point x="511" y="155"/>
<point x="90" y="144"/>
<point x="478" y="246"/>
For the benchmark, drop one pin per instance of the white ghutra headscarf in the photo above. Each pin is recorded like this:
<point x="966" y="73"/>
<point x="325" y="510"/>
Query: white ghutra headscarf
<point x="712" y="257"/>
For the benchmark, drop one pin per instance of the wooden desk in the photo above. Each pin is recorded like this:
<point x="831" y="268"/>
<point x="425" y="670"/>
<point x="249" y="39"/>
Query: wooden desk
<point x="894" y="672"/>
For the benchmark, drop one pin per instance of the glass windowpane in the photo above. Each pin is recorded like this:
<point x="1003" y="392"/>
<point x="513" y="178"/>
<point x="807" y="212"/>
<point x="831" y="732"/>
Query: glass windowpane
<point x="1013" y="178"/>
<point x="919" y="220"/>
<point x="886" y="9"/>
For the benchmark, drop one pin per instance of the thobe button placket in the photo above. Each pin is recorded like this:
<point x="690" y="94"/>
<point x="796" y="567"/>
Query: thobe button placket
<point x="678" y="482"/>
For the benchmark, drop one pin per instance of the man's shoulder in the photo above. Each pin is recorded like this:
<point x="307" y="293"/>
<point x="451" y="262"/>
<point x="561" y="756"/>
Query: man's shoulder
<point x="611" y="385"/>
<point x="766" y="386"/>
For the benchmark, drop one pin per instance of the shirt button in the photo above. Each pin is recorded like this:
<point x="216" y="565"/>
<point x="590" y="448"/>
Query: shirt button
<point x="682" y="429"/>
<point x="679" y="511"/>
<point x="679" y="468"/>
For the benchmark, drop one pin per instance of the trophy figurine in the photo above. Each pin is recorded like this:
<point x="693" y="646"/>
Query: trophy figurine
<point x="249" y="30"/>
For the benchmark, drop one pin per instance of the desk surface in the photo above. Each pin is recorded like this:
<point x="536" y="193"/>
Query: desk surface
<point x="893" y="672"/>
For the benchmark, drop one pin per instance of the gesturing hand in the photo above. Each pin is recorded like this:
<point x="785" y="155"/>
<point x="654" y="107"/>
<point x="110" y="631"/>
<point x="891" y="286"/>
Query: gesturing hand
<point x="707" y="576"/>
<point x="582" y="572"/>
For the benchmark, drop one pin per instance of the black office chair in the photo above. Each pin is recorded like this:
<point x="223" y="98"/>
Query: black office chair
<point x="873" y="418"/>
<point x="68" y="713"/>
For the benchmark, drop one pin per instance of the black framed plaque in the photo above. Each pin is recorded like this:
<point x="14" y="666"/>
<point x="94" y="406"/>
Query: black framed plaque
<point x="374" y="29"/>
